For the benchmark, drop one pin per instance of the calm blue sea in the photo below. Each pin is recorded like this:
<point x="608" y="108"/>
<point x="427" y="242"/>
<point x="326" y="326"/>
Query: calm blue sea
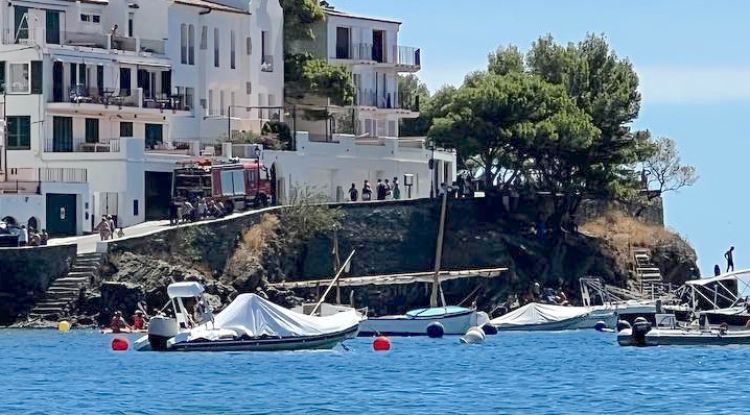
<point x="45" y="372"/>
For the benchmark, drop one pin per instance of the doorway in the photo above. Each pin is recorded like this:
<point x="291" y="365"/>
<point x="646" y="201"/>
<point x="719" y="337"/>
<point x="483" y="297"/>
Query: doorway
<point x="378" y="46"/>
<point x="61" y="214"/>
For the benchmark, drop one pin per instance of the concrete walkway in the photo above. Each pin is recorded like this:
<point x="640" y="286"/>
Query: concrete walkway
<point x="87" y="243"/>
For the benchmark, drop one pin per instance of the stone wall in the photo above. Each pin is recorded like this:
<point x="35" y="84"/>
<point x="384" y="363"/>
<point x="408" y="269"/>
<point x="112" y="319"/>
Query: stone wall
<point x="26" y="273"/>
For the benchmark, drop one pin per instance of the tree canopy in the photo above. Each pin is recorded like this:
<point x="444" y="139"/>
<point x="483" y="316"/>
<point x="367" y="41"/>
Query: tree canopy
<point x="303" y="73"/>
<point x="556" y="119"/>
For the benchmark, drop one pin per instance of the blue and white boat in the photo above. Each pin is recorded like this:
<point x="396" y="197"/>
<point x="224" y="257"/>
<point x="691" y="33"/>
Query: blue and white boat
<point x="454" y="320"/>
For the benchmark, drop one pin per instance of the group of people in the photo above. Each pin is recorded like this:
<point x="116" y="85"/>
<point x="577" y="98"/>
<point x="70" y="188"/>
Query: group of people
<point x="384" y="190"/>
<point x="118" y="323"/>
<point x="463" y="187"/>
<point x="108" y="229"/>
<point x="23" y="236"/>
<point x="184" y="210"/>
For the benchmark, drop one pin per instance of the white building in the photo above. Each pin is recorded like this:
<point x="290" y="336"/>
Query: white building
<point x="80" y="78"/>
<point x="98" y="117"/>
<point x="369" y="47"/>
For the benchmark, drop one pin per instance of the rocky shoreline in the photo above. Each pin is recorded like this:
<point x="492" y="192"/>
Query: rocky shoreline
<point x="247" y="253"/>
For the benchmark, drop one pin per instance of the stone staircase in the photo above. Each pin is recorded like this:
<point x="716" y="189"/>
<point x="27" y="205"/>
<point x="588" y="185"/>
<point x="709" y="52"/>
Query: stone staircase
<point x="648" y="276"/>
<point x="64" y="293"/>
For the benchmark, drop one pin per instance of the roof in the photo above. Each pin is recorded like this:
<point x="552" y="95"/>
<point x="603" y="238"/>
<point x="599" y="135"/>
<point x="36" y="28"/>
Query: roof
<point x="211" y="5"/>
<point x="725" y="277"/>
<point x="339" y="13"/>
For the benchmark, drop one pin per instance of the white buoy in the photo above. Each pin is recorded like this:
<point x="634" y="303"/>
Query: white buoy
<point x="474" y="335"/>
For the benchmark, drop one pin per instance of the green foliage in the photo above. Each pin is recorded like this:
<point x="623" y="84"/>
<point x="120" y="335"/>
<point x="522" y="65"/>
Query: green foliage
<point x="430" y="108"/>
<point x="280" y="131"/>
<point x="506" y="60"/>
<point x="299" y="16"/>
<point x="306" y="75"/>
<point x="306" y="215"/>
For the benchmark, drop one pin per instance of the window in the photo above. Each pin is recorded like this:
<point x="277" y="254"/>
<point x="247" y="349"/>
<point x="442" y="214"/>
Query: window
<point x="95" y="18"/>
<point x="62" y="134"/>
<point x="183" y="44"/>
<point x="131" y="24"/>
<point x="249" y="45"/>
<point x="343" y="43"/>
<point x="19" y="133"/>
<point x="85" y="18"/>
<point x="92" y="130"/>
<point x="36" y="77"/>
<point x="126" y="129"/>
<point x="233" y="52"/>
<point x="191" y="45"/>
<point x="272" y="113"/>
<point x="248" y="88"/>
<point x="221" y="102"/>
<point x="19" y="78"/>
<point x="154" y="135"/>
<point x="216" y="47"/>
<point x="91" y="18"/>
<point x="52" y="27"/>
<point x="2" y="77"/>
<point x="135" y="207"/>
<point x="210" y="109"/>
<point x="189" y="97"/>
<point x="21" y="22"/>
<point x="261" y="103"/>
<point x="263" y="36"/>
<point x="204" y="38"/>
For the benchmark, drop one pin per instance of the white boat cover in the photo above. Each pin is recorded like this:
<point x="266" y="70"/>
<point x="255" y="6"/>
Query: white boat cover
<point x="254" y="316"/>
<point x="535" y="313"/>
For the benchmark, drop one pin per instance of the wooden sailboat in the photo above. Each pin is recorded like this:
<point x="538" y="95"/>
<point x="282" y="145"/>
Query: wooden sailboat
<point x="454" y="320"/>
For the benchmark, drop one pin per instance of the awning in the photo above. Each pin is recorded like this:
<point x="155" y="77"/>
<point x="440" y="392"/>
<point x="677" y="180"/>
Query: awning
<point x="141" y="61"/>
<point x="88" y="60"/>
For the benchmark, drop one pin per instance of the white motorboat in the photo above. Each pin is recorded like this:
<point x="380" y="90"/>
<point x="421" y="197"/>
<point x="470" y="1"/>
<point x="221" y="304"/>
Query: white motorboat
<point x="538" y="317"/>
<point x="671" y="334"/>
<point x="454" y="321"/>
<point x="249" y="323"/>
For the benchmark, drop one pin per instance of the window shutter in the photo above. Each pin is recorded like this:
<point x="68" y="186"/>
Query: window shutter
<point x="248" y="87"/>
<point x="36" y="77"/>
<point x="249" y="46"/>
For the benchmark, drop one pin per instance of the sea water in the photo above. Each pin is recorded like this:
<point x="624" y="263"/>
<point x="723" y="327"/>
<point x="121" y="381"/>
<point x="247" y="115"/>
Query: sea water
<point x="46" y="372"/>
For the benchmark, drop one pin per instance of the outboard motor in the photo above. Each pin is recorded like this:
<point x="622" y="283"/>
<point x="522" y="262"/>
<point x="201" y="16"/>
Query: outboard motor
<point x="641" y="326"/>
<point x="161" y="329"/>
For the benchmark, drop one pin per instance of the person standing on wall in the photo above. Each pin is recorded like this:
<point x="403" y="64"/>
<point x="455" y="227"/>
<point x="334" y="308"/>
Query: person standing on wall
<point x="729" y="256"/>
<point x="380" y="190"/>
<point x="353" y="193"/>
<point x="366" y="191"/>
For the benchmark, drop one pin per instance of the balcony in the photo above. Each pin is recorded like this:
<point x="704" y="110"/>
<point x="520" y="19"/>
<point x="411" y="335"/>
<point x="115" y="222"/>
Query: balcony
<point x="355" y="52"/>
<point x="29" y="180"/>
<point x="408" y="58"/>
<point x="39" y="36"/>
<point x="79" y="145"/>
<point x="117" y="97"/>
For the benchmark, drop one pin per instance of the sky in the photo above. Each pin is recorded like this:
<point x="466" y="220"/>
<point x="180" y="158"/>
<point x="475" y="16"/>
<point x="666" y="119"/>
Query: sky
<point x="694" y="67"/>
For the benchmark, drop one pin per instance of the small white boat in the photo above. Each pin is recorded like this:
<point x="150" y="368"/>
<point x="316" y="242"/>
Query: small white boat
<point x="539" y="317"/>
<point x="249" y="323"/>
<point x="454" y="320"/>
<point x="670" y="334"/>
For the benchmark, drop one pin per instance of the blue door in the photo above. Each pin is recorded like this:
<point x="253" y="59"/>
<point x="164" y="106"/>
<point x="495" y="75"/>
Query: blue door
<point x="61" y="214"/>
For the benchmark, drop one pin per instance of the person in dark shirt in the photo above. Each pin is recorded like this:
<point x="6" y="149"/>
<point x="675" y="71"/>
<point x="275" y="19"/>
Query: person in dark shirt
<point x="353" y="193"/>
<point x="729" y="255"/>
<point x="380" y="189"/>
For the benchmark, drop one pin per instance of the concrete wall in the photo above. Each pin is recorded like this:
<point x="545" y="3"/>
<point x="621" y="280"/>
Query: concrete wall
<point x="26" y="273"/>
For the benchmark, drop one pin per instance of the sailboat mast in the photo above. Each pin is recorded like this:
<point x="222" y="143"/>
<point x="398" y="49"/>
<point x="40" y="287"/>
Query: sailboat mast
<point x="439" y="253"/>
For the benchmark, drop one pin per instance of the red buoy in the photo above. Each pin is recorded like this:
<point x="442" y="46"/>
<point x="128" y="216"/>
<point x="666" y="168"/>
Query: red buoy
<point x="119" y="345"/>
<point x="381" y="344"/>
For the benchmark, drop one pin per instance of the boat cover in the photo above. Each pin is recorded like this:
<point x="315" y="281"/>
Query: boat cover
<point x="535" y="313"/>
<point x="253" y="316"/>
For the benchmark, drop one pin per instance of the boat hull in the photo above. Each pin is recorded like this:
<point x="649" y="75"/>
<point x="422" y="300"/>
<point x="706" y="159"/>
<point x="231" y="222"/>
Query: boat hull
<point x="684" y="337"/>
<point x="588" y="321"/>
<point x="325" y="341"/>
<point x="453" y="324"/>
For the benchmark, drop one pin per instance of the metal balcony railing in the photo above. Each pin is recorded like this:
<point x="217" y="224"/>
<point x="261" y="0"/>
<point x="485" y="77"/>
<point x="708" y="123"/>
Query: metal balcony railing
<point x="357" y="52"/>
<point x="372" y="98"/>
<point x="408" y="56"/>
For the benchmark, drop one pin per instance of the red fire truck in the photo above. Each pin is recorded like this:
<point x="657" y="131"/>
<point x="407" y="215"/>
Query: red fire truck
<point x="237" y="185"/>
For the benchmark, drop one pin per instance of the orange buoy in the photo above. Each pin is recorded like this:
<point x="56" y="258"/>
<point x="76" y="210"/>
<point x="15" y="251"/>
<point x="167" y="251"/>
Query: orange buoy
<point x="119" y="344"/>
<point x="381" y="344"/>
